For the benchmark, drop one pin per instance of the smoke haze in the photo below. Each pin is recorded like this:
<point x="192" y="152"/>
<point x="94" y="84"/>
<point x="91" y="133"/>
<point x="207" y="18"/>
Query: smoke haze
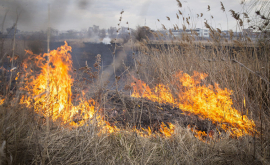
<point x="81" y="14"/>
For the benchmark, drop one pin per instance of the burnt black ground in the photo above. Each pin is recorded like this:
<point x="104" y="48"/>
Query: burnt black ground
<point x="125" y="111"/>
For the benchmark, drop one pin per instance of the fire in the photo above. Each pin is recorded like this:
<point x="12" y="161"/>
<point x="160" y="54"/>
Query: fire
<point x="47" y="82"/>
<point x="167" y="131"/>
<point x="50" y="91"/>
<point x="207" y="102"/>
<point x="2" y="101"/>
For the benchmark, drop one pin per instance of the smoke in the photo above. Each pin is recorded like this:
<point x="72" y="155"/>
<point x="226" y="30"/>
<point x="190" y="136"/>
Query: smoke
<point x="32" y="15"/>
<point x="106" y="40"/>
<point x="84" y="4"/>
<point x="14" y="10"/>
<point x="109" y="71"/>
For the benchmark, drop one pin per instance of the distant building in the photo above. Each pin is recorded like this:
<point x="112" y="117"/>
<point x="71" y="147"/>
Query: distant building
<point x="177" y="33"/>
<point x="124" y="29"/>
<point x="249" y="33"/>
<point x="202" y="33"/>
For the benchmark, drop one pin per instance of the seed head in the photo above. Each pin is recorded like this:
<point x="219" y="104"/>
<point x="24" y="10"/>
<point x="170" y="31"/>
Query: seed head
<point x="179" y="3"/>
<point x="222" y="7"/>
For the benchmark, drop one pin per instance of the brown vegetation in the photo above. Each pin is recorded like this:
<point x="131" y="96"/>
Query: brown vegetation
<point x="26" y="137"/>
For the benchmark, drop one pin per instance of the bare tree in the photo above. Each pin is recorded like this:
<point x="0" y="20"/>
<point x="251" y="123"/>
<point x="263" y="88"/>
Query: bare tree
<point x="96" y="29"/>
<point x="112" y="32"/>
<point x="142" y="32"/>
<point x="102" y="33"/>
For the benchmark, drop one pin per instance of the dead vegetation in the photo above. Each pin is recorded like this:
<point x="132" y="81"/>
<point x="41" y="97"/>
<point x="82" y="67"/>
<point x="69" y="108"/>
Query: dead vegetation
<point x="27" y="137"/>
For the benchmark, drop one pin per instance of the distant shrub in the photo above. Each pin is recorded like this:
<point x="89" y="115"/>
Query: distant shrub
<point x="142" y="32"/>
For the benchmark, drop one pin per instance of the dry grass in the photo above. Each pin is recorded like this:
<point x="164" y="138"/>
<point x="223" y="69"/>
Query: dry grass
<point x="26" y="139"/>
<point x="238" y="65"/>
<point x="29" y="143"/>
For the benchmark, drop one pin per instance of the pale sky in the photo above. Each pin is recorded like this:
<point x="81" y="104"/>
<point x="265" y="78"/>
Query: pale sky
<point x="81" y="14"/>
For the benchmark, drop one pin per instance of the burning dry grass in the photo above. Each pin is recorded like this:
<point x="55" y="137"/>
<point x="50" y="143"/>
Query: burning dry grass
<point x="47" y="117"/>
<point x="29" y="142"/>
<point x="35" y="136"/>
<point x="243" y="68"/>
<point x="208" y="102"/>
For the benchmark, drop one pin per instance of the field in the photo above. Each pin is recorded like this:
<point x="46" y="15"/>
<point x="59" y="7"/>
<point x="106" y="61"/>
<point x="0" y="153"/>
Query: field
<point x="143" y="102"/>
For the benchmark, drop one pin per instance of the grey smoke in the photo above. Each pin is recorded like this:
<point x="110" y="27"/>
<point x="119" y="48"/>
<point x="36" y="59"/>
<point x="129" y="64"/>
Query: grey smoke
<point x="109" y="71"/>
<point x="33" y="14"/>
<point x="15" y="10"/>
<point x="83" y="4"/>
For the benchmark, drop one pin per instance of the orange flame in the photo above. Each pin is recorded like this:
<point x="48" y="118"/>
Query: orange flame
<point x="167" y="131"/>
<point x="50" y="95"/>
<point x="2" y="101"/>
<point x="208" y="102"/>
<point x="50" y="91"/>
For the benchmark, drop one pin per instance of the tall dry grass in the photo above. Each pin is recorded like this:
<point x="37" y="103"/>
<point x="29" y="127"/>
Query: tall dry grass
<point x="239" y="65"/>
<point x="27" y="140"/>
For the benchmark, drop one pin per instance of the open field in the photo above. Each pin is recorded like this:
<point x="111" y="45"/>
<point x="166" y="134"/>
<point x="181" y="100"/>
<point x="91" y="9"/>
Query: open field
<point x="30" y="137"/>
<point x="139" y="102"/>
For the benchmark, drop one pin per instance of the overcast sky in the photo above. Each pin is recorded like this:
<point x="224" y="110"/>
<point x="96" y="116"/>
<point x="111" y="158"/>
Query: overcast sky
<point x="81" y="14"/>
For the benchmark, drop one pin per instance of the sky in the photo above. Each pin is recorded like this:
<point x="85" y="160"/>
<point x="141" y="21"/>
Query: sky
<point x="81" y="14"/>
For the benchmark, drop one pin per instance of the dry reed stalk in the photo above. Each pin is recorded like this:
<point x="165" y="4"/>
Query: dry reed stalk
<point x="155" y="65"/>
